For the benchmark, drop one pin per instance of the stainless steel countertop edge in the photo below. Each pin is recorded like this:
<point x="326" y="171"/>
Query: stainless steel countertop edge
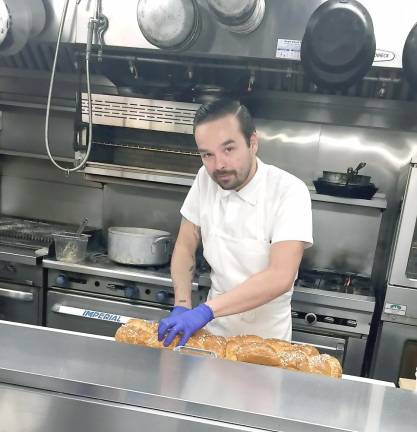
<point x="236" y="393"/>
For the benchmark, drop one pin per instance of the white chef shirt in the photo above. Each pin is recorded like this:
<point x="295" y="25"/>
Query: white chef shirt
<point x="287" y="206"/>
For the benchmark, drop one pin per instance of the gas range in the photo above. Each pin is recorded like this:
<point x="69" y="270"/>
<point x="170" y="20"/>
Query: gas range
<point x="27" y="241"/>
<point x="329" y="310"/>
<point x="342" y="283"/>
<point x="98" y="274"/>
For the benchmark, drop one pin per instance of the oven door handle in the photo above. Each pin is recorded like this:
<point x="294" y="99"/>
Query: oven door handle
<point x="16" y="295"/>
<point x="92" y="314"/>
<point x="339" y="347"/>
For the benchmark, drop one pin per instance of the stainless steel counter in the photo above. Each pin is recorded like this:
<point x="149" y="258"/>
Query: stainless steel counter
<point x="201" y="390"/>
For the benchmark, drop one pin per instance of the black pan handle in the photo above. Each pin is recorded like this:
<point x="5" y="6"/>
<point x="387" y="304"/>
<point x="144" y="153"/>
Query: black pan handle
<point x="359" y="167"/>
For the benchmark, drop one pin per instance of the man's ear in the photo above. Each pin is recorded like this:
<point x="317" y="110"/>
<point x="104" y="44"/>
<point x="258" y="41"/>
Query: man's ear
<point x="253" y="143"/>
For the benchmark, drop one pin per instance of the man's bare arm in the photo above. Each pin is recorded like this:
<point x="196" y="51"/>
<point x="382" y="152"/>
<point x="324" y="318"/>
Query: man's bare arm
<point x="262" y="287"/>
<point x="183" y="262"/>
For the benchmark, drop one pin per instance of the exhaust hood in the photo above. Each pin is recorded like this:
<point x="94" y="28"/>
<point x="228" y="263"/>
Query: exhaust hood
<point x="263" y="29"/>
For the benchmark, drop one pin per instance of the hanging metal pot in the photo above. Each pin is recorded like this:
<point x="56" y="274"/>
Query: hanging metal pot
<point x="20" y="20"/>
<point x="169" y="24"/>
<point x="238" y="16"/>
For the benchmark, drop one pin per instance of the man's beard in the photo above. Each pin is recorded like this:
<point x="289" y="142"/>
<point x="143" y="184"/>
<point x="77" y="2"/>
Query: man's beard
<point x="233" y="181"/>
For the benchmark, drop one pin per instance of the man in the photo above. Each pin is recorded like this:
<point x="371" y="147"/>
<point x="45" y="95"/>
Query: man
<point x="254" y="221"/>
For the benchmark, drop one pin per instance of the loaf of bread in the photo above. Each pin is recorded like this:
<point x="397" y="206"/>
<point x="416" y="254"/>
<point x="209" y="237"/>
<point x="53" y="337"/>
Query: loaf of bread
<point x="142" y="332"/>
<point x="245" y="348"/>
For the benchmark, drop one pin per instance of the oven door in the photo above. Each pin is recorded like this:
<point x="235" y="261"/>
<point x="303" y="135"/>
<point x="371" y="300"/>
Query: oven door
<point x="396" y="352"/>
<point x="99" y="316"/>
<point x="20" y="303"/>
<point x="403" y="271"/>
<point x="325" y="344"/>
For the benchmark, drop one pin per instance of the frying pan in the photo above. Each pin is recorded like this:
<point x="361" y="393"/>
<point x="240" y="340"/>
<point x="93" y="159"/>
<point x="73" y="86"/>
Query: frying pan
<point x="349" y="177"/>
<point x="410" y="58"/>
<point x="338" y="46"/>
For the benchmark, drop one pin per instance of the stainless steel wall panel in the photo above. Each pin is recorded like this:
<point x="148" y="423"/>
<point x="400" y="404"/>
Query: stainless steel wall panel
<point x="291" y="146"/>
<point x="346" y="238"/>
<point x="24" y="132"/>
<point x="148" y="206"/>
<point x="51" y="201"/>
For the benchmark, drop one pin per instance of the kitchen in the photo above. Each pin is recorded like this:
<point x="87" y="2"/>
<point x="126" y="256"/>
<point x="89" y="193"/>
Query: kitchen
<point x="354" y="298"/>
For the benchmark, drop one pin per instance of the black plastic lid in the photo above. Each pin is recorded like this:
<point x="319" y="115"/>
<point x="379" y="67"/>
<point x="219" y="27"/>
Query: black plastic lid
<point x="338" y="46"/>
<point x="410" y="58"/>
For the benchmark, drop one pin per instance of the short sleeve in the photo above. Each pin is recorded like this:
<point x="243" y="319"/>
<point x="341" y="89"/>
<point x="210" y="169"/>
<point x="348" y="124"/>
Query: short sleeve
<point x="190" y="209"/>
<point x="292" y="219"/>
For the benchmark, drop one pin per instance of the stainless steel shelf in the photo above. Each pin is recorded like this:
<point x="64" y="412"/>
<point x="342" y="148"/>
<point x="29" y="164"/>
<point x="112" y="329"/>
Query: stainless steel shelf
<point x="378" y="201"/>
<point x="107" y="173"/>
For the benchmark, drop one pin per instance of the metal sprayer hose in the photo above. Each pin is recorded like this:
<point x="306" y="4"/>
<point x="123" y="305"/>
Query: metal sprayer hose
<point x="51" y="86"/>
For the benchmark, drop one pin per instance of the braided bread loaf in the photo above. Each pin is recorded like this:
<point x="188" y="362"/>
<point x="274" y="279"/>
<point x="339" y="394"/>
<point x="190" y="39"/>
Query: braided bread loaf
<point x="142" y="332"/>
<point x="247" y="348"/>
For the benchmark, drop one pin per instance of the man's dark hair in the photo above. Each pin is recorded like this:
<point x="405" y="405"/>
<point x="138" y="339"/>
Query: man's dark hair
<point x="222" y="107"/>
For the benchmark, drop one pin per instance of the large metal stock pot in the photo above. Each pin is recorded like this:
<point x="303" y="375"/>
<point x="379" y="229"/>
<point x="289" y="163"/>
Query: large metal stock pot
<point x="139" y="246"/>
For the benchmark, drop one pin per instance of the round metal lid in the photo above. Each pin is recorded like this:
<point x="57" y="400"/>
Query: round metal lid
<point x="4" y="21"/>
<point x="169" y="24"/>
<point x="239" y="16"/>
<point x="233" y="11"/>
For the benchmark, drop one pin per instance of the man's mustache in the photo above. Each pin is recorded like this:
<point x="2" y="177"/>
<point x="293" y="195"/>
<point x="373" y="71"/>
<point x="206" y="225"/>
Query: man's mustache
<point x="223" y="173"/>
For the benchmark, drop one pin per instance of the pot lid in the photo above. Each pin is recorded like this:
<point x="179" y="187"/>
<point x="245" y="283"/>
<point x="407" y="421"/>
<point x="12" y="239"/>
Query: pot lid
<point x="232" y="12"/>
<point x="334" y="80"/>
<point x="141" y="232"/>
<point x="169" y="24"/>
<point x="410" y="57"/>
<point x="240" y="16"/>
<point x="338" y="46"/>
<point x="4" y="21"/>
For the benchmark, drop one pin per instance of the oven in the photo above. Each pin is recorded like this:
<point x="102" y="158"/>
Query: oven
<point x="23" y="245"/>
<point x="396" y="351"/>
<point x="97" y="296"/>
<point x="336" y="324"/>
<point x="333" y="311"/>
<point x="21" y="282"/>
<point x="325" y="343"/>
<point x="21" y="303"/>
<point x="95" y="315"/>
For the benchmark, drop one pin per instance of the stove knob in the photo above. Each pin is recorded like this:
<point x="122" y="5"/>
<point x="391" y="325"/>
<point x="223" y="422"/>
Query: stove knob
<point x="311" y="318"/>
<point x="328" y="320"/>
<point x="61" y="280"/>
<point x="351" y="323"/>
<point x="11" y="268"/>
<point x="131" y="292"/>
<point x="162" y="296"/>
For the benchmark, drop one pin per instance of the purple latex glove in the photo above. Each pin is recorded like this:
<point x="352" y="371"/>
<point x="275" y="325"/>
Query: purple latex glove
<point x="177" y="310"/>
<point x="185" y="324"/>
